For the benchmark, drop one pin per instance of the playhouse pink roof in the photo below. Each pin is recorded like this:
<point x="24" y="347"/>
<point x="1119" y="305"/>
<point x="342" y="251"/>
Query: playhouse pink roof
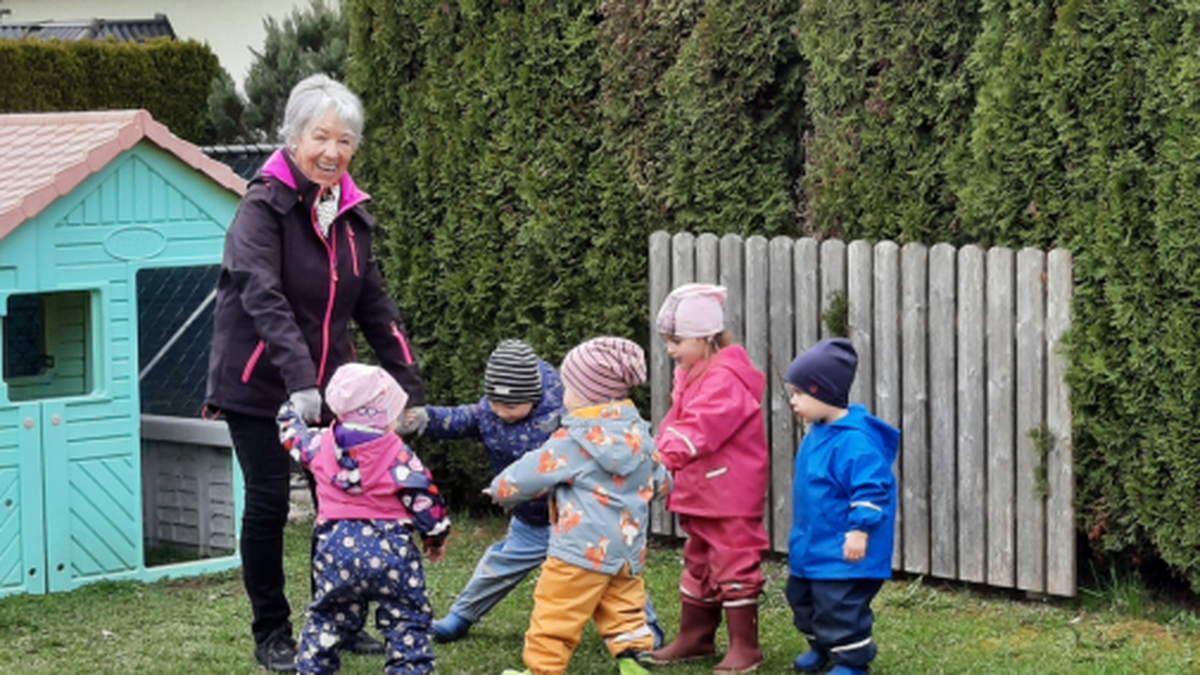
<point x="44" y="156"/>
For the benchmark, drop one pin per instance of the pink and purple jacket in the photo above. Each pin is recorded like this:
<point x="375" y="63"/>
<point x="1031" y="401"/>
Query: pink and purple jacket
<point x="365" y="474"/>
<point x="287" y="293"/>
<point x="713" y="438"/>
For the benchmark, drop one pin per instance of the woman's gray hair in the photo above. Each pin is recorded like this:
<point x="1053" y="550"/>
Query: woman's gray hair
<point x="312" y="98"/>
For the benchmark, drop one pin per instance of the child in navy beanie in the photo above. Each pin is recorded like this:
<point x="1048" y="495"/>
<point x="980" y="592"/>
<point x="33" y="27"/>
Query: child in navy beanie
<point x="843" y="511"/>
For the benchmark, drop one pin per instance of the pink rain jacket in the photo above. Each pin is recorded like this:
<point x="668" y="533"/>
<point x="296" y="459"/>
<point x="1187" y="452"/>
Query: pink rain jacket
<point x="714" y="440"/>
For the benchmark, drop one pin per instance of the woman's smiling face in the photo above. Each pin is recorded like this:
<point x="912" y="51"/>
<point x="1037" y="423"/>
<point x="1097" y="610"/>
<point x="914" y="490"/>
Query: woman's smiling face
<point x="324" y="149"/>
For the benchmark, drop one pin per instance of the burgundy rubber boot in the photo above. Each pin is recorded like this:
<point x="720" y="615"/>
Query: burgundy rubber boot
<point x="697" y="632"/>
<point x="743" y="656"/>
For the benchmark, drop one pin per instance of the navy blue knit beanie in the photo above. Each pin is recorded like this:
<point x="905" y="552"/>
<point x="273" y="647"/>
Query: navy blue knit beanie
<point x="825" y="371"/>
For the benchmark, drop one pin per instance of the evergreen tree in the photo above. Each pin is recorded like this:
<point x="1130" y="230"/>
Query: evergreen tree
<point x="313" y="40"/>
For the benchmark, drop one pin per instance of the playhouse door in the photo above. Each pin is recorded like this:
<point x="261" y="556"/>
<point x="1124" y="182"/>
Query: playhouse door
<point x="92" y="488"/>
<point x="22" y="547"/>
<point x="80" y="484"/>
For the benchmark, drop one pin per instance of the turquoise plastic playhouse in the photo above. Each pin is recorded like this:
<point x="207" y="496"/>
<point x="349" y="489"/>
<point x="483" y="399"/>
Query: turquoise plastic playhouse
<point x="111" y="231"/>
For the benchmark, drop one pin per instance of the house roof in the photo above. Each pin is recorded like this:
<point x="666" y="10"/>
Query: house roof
<point x="46" y="155"/>
<point x="124" y="30"/>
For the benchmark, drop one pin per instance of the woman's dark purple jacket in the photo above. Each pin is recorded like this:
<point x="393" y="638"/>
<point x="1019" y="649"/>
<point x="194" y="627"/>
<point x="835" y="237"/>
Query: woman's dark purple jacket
<point x="286" y="296"/>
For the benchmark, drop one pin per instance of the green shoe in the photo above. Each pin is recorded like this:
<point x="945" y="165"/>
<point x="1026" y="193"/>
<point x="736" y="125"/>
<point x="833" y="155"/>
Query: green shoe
<point x="629" y="665"/>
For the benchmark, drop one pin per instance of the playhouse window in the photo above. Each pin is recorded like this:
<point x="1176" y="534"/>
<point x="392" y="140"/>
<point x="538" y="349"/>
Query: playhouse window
<point x="48" y="345"/>
<point x="175" y="315"/>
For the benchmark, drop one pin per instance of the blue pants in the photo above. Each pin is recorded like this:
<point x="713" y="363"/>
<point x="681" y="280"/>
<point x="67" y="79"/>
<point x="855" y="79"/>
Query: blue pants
<point x="361" y="561"/>
<point x="835" y="616"/>
<point x="504" y="566"/>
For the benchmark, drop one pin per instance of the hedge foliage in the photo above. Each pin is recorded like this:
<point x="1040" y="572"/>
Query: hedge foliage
<point x="170" y="79"/>
<point x="521" y="152"/>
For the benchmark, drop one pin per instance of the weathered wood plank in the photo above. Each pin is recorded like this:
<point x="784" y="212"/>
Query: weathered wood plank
<point x="758" y="323"/>
<point x="1001" y="429"/>
<point x="888" y="395"/>
<point x="1030" y="419"/>
<point x="683" y="259"/>
<point x="781" y="421"/>
<point x="971" y="414"/>
<point x="1060" y="474"/>
<point x="914" y="452"/>
<point x="860" y="290"/>
<point x="807" y="295"/>
<point x="708" y="258"/>
<point x="659" y="362"/>
<point x="807" y="272"/>
<point x="943" y="459"/>
<point x="683" y="271"/>
<point x="732" y="277"/>
<point x="833" y="278"/>
<point x="758" y="316"/>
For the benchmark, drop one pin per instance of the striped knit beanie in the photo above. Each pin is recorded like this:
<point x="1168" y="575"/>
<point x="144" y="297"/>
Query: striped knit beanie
<point x="604" y="368"/>
<point x="512" y="374"/>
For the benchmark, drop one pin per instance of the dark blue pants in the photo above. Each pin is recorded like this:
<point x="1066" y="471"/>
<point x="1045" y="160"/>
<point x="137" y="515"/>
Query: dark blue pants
<point x="835" y="616"/>
<point x="266" y="471"/>
<point x="360" y="562"/>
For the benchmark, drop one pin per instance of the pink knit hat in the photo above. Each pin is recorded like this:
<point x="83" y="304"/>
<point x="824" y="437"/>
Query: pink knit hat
<point x="367" y="395"/>
<point x="693" y="311"/>
<point x="604" y="368"/>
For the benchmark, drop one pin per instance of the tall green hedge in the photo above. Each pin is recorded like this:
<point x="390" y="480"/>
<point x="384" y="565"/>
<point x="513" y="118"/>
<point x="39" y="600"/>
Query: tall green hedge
<point x="889" y="101"/>
<point x="521" y="152"/>
<point x="169" y="79"/>
<point x="1083" y="136"/>
<point x="1080" y="132"/>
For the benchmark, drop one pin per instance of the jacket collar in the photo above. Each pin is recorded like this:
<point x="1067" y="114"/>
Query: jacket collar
<point x="280" y="166"/>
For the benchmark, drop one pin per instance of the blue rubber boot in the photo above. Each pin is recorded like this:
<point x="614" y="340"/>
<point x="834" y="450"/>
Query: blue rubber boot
<point x="847" y="670"/>
<point x="810" y="662"/>
<point x="450" y="628"/>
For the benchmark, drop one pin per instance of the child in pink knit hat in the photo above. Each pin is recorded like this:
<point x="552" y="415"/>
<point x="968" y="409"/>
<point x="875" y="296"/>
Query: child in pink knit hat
<point x="372" y="493"/>
<point x="713" y="441"/>
<point x="602" y="469"/>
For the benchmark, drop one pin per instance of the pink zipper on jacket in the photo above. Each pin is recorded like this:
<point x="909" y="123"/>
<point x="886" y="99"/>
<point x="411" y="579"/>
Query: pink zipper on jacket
<point x="353" y="248"/>
<point x="253" y="361"/>
<point x="403" y="343"/>
<point x="276" y="165"/>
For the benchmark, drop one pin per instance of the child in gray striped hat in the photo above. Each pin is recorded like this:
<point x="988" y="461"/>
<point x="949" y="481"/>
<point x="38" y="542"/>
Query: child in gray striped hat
<point x="520" y="408"/>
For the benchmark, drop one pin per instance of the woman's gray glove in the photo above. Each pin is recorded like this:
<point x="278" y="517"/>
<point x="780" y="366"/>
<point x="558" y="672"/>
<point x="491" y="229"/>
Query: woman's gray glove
<point x="307" y="403"/>
<point x="415" y="421"/>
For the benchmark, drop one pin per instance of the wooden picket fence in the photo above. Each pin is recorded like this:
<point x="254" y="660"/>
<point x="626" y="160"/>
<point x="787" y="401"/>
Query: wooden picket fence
<point x="958" y="348"/>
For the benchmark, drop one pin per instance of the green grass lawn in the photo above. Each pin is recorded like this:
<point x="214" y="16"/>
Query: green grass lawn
<point x="200" y="625"/>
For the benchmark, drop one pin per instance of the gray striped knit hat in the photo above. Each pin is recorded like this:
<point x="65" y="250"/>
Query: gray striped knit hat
<point x="512" y="374"/>
<point x="604" y="368"/>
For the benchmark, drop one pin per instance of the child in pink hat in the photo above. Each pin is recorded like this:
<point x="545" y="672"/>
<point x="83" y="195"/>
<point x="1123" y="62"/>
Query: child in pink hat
<point x="373" y="492"/>
<point x="713" y="440"/>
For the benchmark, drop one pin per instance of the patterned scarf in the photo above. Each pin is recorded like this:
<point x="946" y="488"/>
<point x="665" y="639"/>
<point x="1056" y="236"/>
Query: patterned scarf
<point x="327" y="207"/>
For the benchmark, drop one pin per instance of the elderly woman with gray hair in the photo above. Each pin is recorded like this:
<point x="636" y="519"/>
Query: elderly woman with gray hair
<point x="297" y="268"/>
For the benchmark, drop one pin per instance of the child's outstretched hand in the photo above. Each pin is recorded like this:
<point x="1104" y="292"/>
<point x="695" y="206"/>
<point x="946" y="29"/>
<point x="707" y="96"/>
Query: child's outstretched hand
<point x="855" y="548"/>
